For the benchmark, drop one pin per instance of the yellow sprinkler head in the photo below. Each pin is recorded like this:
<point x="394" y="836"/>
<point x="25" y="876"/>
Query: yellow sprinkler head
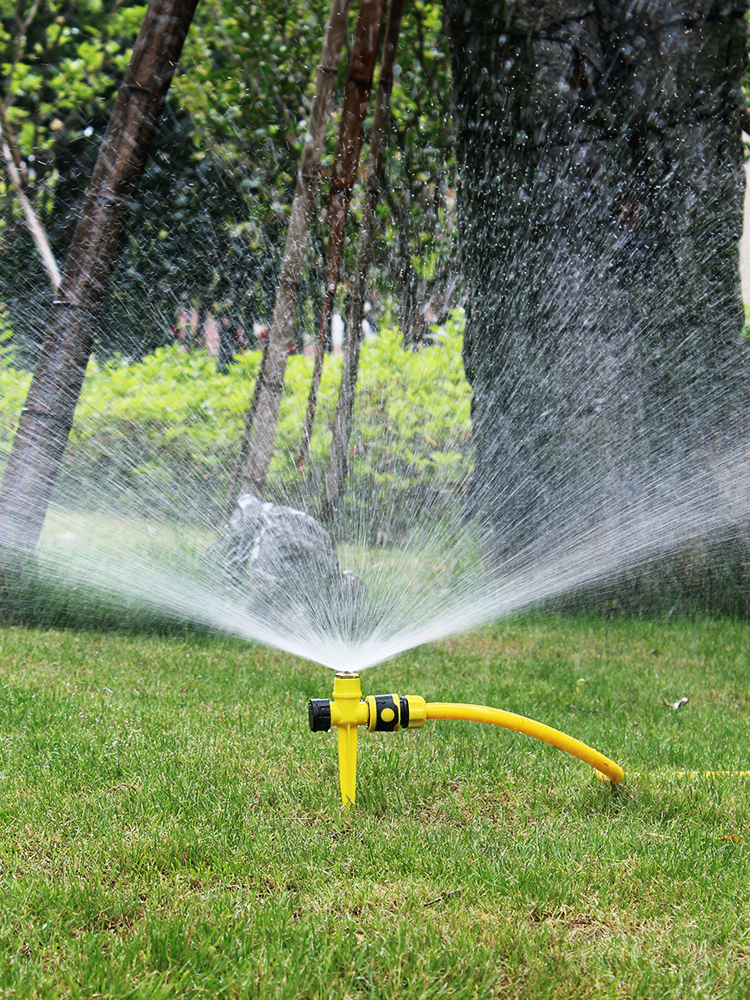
<point x="347" y="711"/>
<point x="387" y="713"/>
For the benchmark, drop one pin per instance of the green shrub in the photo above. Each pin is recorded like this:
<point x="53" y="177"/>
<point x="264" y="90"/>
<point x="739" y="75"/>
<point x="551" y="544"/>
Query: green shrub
<point x="160" y="436"/>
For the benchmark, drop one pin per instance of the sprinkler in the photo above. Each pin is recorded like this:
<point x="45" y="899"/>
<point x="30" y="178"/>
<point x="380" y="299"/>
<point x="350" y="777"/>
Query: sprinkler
<point x="387" y="713"/>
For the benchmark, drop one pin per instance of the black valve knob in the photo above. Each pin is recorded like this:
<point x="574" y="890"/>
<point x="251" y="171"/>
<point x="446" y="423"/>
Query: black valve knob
<point x="319" y="713"/>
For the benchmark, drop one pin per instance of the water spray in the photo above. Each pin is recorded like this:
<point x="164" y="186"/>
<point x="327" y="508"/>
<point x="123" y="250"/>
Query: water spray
<point x="387" y="713"/>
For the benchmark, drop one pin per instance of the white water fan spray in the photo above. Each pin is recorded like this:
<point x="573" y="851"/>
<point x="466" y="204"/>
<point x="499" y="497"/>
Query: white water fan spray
<point x="602" y="429"/>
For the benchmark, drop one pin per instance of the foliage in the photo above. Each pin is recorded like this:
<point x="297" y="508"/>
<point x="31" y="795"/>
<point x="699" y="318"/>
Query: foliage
<point x="172" y="829"/>
<point x="248" y="87"/>
<point x="7" y="348"/>
<point x="422" y="401"/>
<point x="162" y="433"/>
<point x="60" y="67"/>
<point x="416" y="250"/>
<point x="209" y="221"/>
<point x="14" y="384"/>
<point x="410" y="450"/>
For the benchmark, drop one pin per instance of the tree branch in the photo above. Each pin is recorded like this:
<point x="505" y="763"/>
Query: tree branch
<point x="35" y="227"/>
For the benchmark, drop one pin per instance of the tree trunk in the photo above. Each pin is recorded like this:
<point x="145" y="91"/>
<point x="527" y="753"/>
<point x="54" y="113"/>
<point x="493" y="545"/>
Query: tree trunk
<point x="411" y="290"/>
<point x="47" y="417"/>
<point x="234" y="485"/>
<point x="261" y="425"/>
<point x="358" y="86"/>
<point x="342" y="422"/>
<point x="600" y="208"/>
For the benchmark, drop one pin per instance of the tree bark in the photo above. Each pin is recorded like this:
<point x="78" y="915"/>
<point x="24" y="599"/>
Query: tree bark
<point x="358" y="87"/>
<point x="261" y="424"/>
<point x="342" y="423"/>
<point x="47" y="417"/>
<point x="600" y="208"/>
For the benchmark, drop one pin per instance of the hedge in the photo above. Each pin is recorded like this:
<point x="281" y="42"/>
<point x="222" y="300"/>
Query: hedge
<point x="160" y="435"/>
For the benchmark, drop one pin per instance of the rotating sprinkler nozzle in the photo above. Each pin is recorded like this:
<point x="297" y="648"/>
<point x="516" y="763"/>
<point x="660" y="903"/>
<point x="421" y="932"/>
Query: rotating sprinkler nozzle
<point x="391" y="712"/>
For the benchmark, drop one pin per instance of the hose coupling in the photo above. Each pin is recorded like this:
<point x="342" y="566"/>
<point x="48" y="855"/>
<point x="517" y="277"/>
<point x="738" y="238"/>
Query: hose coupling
<point x="390" y="712"/>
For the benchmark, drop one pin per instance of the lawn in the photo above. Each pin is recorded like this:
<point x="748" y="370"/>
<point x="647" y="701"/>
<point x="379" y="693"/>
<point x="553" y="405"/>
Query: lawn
<point x="171" y="828"/>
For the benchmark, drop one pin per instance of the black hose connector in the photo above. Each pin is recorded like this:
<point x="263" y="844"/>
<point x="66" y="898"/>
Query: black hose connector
<point x="319" y="713"/>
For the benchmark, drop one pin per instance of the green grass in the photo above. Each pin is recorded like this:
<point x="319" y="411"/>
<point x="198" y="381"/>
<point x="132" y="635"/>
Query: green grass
<point x="60" y="590"/>
<point x="170" y="827"/>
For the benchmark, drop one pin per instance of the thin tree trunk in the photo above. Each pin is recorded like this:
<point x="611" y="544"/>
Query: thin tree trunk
<point x="197" y="340"/>
<point x="358" y="87"/>
<point x="47" y="417"/>
<point x="342" y="423"/>
<point x="35" y="227"/>
<point x="412" y="290"/>
<point x="234" y="485"/>
<point x="261" y="425"/>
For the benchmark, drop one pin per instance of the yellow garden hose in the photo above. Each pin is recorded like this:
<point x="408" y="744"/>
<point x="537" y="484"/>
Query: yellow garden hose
<point x="520" y="724"/>
<point x="390" y="712"/>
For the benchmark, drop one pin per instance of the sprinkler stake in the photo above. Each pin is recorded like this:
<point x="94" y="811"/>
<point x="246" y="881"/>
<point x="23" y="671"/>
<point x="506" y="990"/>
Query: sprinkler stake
<point x="390" y="712"/>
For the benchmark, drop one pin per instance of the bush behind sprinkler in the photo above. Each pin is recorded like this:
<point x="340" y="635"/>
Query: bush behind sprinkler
<point x="391" y="712"/>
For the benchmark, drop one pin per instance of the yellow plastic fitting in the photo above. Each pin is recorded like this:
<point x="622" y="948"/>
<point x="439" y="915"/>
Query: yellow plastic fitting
<point x="391" y="712"/>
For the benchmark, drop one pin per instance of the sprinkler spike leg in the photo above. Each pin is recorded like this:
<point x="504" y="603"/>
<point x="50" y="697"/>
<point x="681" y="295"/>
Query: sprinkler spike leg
<point x="348" y="711"/>
<point x="347" y="736"/>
